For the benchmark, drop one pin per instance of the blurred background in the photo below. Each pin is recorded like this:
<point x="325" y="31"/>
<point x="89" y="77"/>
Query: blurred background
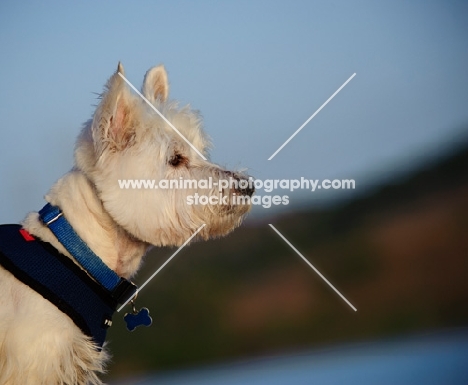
<point x="245" y="308"/>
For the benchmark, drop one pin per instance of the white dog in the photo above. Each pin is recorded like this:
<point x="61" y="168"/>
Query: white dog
<point x="90" y="238"/>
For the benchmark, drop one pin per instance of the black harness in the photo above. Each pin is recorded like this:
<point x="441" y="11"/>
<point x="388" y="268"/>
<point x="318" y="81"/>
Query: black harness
<point x="61" y="281"/>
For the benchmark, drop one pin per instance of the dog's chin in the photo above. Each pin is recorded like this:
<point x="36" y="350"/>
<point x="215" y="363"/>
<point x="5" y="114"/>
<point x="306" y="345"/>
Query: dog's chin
<point x="226" y="219"/>
<point x="219" y="230"/>
<point x="229" y="217"/>
<point x="232" y="210"/>
<point x="218" y="222"/>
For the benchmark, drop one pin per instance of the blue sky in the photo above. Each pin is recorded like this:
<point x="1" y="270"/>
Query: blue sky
<point x="256" y="70"/>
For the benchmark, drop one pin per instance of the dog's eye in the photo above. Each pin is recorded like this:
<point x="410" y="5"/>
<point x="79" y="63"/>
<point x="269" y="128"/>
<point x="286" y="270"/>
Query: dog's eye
<point x="177" y="160"/>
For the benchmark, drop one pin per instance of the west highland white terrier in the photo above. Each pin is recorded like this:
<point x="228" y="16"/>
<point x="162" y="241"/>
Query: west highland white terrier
<point x="67" y="268"/>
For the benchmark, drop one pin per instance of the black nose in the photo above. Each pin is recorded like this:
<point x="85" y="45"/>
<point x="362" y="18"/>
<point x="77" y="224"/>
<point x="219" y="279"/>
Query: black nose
<point x="248" y="190"/>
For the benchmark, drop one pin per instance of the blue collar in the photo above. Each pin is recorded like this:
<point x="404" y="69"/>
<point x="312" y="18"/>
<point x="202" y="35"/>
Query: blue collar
<point x="119" y="288"/>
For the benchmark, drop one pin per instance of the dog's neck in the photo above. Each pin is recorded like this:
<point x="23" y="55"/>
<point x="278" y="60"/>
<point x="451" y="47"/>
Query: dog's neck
<point x="78" y="200"/>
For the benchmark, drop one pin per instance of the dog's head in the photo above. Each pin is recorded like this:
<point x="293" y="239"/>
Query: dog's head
<point x="128" y="143"/>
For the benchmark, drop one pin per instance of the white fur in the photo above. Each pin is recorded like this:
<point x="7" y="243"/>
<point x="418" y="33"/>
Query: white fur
<point x="40" y="345"/>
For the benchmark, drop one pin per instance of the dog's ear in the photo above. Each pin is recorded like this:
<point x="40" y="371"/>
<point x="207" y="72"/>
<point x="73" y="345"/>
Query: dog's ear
<point x="155" y="84"/>
<point x="112" y="121"/>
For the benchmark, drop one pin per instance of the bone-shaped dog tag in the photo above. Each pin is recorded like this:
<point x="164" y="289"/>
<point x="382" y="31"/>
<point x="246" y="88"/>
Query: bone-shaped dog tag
<point x="137" y="318"/>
